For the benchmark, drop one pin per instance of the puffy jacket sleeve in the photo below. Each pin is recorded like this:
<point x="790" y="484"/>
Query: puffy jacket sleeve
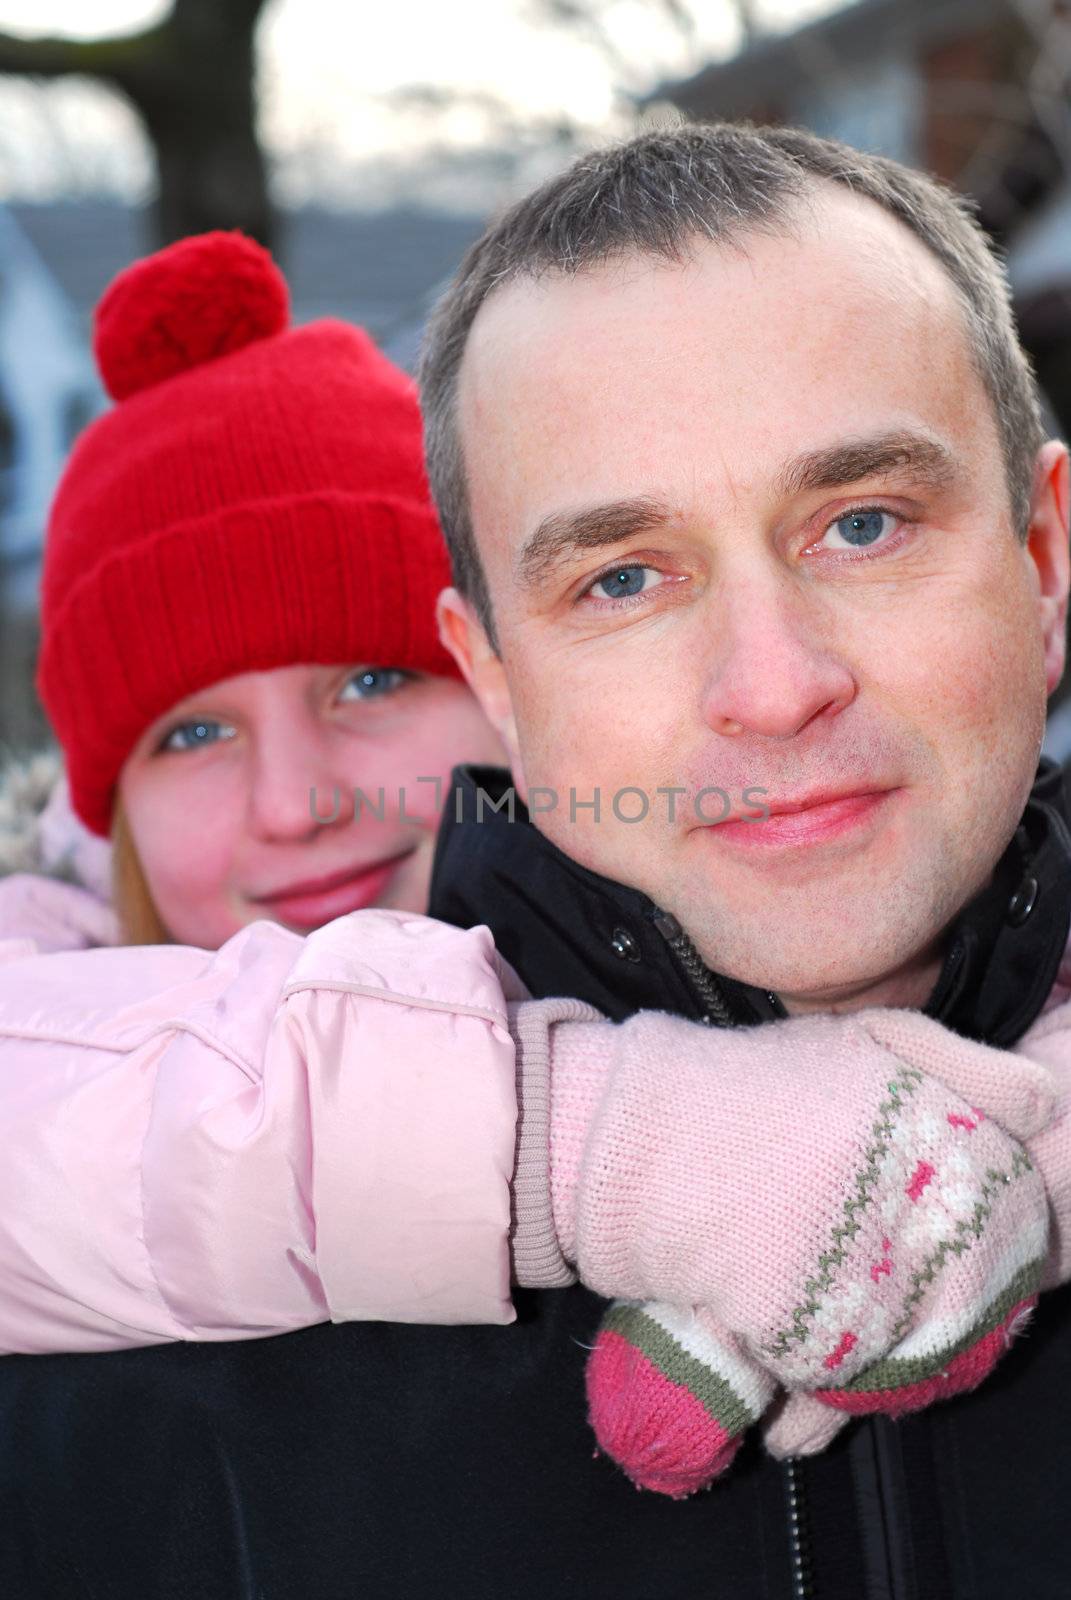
<point x="54" y="916"/>
<point x="229" y="1144"/>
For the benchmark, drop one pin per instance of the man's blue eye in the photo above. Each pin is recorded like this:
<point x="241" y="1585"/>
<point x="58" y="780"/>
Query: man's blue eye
<point x="862" y="527"/>
<point x="625" y="581"/>
<point x="196" y="735"/>
<point x="371" y="682"/>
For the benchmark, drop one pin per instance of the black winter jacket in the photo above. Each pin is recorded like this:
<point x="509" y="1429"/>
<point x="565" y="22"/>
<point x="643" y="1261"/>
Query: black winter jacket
<point x="377" y="1462"/>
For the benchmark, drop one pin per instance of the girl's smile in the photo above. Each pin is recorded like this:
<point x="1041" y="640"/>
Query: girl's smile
<point x="308" y="905"/>
<point x="216" y="795"/>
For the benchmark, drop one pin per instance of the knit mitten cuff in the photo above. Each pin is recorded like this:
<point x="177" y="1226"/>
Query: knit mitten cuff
<point x="538" y="1261"/>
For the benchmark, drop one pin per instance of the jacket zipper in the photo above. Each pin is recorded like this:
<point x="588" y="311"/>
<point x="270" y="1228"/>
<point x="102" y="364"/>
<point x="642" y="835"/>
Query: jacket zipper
<point x="888" y="1475"/>
<point x="716" y="1014"/>
<point x="715" y="1011"/>
<point x="799" y="1538"/>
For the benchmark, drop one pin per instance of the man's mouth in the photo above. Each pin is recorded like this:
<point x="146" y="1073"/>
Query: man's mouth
<point x="814" y="818"/>
<point x="313" y="902"/>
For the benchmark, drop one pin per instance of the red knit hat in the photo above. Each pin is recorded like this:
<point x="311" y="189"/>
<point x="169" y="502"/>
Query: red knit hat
<point x="257" y="498"/>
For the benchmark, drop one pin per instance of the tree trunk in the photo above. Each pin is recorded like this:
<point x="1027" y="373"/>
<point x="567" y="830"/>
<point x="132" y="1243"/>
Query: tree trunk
<point x="201" y="117"/>
<point x="192" y="81"/>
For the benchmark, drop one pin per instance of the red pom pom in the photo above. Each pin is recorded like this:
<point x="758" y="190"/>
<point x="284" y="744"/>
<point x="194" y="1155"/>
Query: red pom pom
<point x="201" y="298"/>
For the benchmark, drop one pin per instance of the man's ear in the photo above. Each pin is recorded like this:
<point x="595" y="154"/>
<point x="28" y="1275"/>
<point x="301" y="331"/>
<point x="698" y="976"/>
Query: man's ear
<point x="465" y="636"/>
<point x="1047" y="547"/>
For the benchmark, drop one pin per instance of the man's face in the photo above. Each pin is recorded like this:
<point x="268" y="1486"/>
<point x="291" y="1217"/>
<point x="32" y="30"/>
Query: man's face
<point x="745" y="526"/>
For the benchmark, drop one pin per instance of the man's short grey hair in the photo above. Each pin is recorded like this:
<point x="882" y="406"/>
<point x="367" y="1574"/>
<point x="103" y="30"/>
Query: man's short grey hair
<point x="656" y="195"/>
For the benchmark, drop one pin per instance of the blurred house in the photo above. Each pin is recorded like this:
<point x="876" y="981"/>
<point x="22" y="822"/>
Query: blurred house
<point x="876" y="73"/>
<point x="48" y="391"/>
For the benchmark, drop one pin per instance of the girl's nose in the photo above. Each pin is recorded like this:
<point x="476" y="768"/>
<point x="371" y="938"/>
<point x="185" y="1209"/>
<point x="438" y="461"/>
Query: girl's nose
<point x="295" y="789"/>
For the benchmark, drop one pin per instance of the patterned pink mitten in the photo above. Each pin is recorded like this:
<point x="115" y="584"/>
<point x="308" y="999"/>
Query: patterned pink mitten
<point x="670" y="1396"/>
<point x="929" y="1252"/>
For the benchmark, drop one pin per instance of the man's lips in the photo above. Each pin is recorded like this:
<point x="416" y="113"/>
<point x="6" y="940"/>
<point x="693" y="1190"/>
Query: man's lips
<point x="818" y="816"/>
<point x="819" y="798"/>
<point x="318" y="900"/>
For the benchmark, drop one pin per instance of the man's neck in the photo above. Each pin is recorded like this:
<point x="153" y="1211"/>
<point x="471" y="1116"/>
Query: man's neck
<point x="910" y="987"/>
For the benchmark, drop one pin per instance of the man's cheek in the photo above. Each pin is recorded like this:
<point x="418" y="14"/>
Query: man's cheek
<point x="920" y="656"/>
<point x="601" y="808"/>
<point x="989" y="678"/>
<point x="578" y="755"/>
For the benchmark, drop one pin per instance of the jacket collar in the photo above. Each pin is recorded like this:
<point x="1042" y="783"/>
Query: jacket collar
<point x="1005" y="947"/>
<point x="568" y="930"/>
<point x="25" y="786"/>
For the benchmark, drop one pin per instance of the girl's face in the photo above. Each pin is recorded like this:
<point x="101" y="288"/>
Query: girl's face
<point x="241" y="801"/>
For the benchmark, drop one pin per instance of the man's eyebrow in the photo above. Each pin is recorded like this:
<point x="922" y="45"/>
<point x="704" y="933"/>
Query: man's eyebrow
<point x="568" y="533"/>
<point x="855" y="459"/>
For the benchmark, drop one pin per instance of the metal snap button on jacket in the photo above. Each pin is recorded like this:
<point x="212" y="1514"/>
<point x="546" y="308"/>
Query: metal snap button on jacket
<point x="1022" y="902"/>
<point x="623" y="944"/>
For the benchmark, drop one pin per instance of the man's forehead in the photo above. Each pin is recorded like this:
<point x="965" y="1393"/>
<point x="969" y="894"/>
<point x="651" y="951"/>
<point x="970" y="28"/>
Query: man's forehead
<point x="851" y="240"/>
<point x="623" y="380"/>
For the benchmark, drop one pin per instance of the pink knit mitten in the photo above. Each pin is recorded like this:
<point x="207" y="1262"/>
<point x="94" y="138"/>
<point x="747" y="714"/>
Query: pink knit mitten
<point x="671" y="1395"/>
<point x="913" y="1230"/>
<point x="1048" y="1044"/>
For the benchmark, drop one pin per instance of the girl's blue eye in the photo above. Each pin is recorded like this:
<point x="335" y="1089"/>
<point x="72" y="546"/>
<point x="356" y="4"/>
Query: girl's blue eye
<point x="196" y="735"/>
<point x="370" y="683"/>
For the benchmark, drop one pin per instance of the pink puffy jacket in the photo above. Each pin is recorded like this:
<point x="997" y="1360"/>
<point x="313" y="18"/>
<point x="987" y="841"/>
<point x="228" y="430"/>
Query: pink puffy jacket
<point x="262" y="1137"/>
<point x="279" y="1132"/>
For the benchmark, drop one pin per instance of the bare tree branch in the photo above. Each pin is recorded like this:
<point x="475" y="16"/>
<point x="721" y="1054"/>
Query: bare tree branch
<point x="191" y="80"/>
<point x="95" y="58"/>
<point x="586" y="17"/>
<point x="242" y="15"/>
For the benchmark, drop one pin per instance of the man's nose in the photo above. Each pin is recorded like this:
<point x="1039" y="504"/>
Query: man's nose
<point x="773" y="664"/>
<point x="295" y="787"/>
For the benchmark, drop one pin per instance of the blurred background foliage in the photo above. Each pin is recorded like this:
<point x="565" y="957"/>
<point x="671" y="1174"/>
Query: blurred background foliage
<point x="368" y="145"/>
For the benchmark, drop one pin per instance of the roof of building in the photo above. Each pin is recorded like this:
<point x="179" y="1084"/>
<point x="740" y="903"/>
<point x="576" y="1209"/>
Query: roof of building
<point x="859" y="31"/>
<point x="377" y="268"/>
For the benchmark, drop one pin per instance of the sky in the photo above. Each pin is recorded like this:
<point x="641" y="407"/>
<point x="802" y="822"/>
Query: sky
<point x="332" y="87"/>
